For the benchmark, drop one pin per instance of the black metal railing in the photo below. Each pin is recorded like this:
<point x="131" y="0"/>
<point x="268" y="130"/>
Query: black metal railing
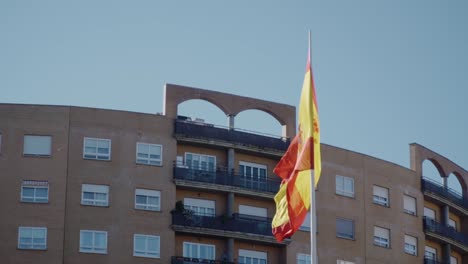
<point x="437" y="188"/>
<point x="432" y="261"/>
<point x="186" y="260"/>
<point x="222" y="176"/>
<point x="209" y="131"/>
<point x="446" y="231"/>
<point x="235" y="223"/>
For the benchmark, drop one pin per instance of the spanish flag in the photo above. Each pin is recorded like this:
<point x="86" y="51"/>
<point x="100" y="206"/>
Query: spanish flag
<point x="303" y="154"/>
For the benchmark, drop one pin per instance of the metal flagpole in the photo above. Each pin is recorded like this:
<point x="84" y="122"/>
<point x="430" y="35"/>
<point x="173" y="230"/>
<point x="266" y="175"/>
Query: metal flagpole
<point x="313" y="213"/>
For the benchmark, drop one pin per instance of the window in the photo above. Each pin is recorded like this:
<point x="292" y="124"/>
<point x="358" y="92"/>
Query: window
<point x="32" y="237"/>
<point x="96" y="195"/>
<point x="430" y="253"/>
<point x="150" y="154"/>
<point x="199" y="251"/>
<point x="200" y="206"/>
<point x="344" y="186"/>
<point x="200" y="162"/>
<point x="452" y="224"/>
<point x="303" y="259"/>
<point x="97" y="148"/>
<point x="345" y="228"/>
<point x="37" y="146"/>
<point x="147" y="200"/>
<point x="339" y="261"/>
<point x="92" y="241"/>
<point x="306" y="224"/>
<point x="429" y="213"/>
<point x="252" y="210"/>
<point x="252" y="175"/>
<point x="411" y="245"/>
<point x="409" y="205"/>
<point x="453" y="260"/>
<point x="380" y="195"/>
<point x="35" y="192"/>
<point x="381" y="237"/>
<point x="250" y="256"/>
<point x="146" y="246"/>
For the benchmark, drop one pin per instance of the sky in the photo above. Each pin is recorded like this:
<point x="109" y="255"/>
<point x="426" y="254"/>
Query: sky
<point x="387" y="73"/>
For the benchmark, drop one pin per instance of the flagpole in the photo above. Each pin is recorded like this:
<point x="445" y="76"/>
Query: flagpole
<point x="313" y="211"/>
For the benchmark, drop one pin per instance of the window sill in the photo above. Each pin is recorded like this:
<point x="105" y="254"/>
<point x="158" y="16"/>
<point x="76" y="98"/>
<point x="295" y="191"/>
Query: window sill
<point x="92" y="205"/>
<point x="36" y="156"/>
<point x="414" y="255"/>
<point x="347" y="196"/>
<point x="347" y="238"/>
<point x="382" y="246"/>
<point x="144" y="256"/>
<point x="381" y="205"/>
<point x="146" y="210"/>
<point x="150" y="165"/>
<point x="28" y="202"/>
<point x="93" y="252"/>
<point x="415" y="215"/>
<point x="32" y="249"/>
<point x="97" y="159"/>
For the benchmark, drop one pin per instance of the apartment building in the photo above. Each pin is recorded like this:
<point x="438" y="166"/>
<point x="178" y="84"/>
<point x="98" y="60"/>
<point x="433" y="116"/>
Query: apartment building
<point x="86" y="185"/>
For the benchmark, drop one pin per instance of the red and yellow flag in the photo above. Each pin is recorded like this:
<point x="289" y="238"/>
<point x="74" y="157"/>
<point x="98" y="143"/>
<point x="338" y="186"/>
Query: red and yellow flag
<point x="303" y="154"/>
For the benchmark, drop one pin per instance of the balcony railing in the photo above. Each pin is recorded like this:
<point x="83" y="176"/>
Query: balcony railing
<point x="185" y="260"/>
<point x="208" y="131"/>
<point x="437" y="188"/>
<point x="445" y="231"/>
<point x="222" y="177"/>
<point x="235" y="223"/>
<point x="432" y="261"/>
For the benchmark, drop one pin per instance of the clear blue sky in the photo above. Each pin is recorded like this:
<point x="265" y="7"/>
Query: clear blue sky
<point x="387" y="73"/>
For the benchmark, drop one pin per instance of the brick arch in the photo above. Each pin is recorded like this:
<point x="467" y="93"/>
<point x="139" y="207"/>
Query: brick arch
<point x="460" y="180"/>
<point x="437" y="165"/>
<point x="230" y="104"/>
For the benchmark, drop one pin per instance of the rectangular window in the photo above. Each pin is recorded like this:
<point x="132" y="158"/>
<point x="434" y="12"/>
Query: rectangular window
<point x="303" y="259"/>
<point x="253" y="175"/>
<point x="250" y="256"/>
<point x="380" y="196"/>
<point x="411" y="245"/>
<point x="200" y="162"/>
<point x="147" y="200"/>
<point x="92" y="241"/>
<point x="430" y="253"/>
<point x="97" y="195"/>
<point x="200" y="206"/>
<point x="306" y="224"/>
<point x="35" y="191"/>
<point x="37" y="146"/>
<point x="199" y="251"/>
<point x="252" y="210"/>
<point x="32" y="238"/>
<point x="453" y="260"/>
<point x="344" y="228"/>
<point x="409" y="204"/>
<point x="150" y="154"/>
<point x="339" y="261"/>
<point x="146" y="246"/>
<point x="344" y="186"/>
<point x="97" y="148"/>
<point x="452" y="224"/>
<point x="381" y="237"/>
<point x="429" y="213"/>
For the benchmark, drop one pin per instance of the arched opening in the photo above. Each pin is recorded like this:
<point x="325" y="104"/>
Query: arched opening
<point x="202" y="111"/>
<point x="455" y="185"/>
<point x="258" y="121"/>
<point x="431" y="173"/>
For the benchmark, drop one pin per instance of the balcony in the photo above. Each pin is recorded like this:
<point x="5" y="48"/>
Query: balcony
<point x="185" y="260"/>
<point x="445" y="234"/>
<point x="222" y="180"/>
<point x="432" y="261"/>
<point x="222" y="136"/>
<point x="437" y="192"/>
<point x="237" y="226"/>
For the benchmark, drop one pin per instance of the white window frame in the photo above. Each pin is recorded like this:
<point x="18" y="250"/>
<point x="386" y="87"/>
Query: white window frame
<point x="148" y="160"/>
<point x="302" y="258"/>
<point x="95" y="189"/>
<point x="340" y="180"/>
<point x="95" y="155"/>
<point x="201" y="207"/>
<point x="260" y="256"/>
<point x="253" y="166"/>
<point x="411" y="245"/>
<point x="406" y="206"/>
<point x="430" y="253"/>
<point x="28" y="150"/>
<point x="146" y="252"/>
<point x="34" y="185"/>
<point x="341" y="235"/>
<point x="198" y="245"/>
<point x="381" y="196"/>
<point x="200" y="157"/>
<point x="381" y="240"/>
<point x="147" y="206"/>
<point x="94" y="248"/>
<point x="33" y="246"/>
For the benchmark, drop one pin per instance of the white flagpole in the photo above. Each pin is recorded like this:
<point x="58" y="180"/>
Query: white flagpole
<point x="313" y="212"/>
